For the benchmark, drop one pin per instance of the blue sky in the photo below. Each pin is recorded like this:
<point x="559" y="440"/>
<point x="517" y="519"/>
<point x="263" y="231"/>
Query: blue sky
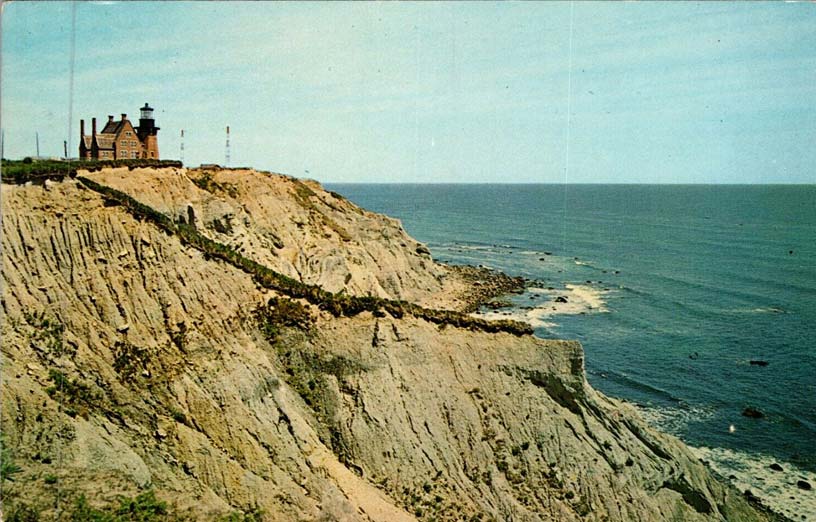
<point x="432" y="92"/>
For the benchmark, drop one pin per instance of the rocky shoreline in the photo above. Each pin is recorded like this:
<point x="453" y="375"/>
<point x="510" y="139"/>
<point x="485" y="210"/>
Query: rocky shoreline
<point x="484" y="284"/>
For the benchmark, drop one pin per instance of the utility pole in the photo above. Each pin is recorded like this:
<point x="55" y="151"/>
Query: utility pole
<point x="65" y="149"/>
<point x="227" y="153"/>
<point x="37" y="138"/>
<point x="181" y="150"/>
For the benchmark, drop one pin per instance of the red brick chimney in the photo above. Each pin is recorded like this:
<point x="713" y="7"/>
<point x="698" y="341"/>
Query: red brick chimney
<point x="124" y="116"/>
<point x="110" y="118"/>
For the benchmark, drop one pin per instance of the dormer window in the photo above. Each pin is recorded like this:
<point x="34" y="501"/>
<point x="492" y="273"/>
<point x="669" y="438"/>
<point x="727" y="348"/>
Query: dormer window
<point x="127" y="133"/>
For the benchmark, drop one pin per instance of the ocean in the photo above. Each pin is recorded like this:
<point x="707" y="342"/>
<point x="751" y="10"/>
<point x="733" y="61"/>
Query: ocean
<point x="672" y="289"/>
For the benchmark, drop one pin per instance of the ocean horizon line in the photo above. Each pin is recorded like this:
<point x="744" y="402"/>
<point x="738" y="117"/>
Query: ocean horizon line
<point x="519" y="183"/>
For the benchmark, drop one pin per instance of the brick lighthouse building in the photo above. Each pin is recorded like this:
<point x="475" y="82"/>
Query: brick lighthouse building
<point x="119" y="139"/>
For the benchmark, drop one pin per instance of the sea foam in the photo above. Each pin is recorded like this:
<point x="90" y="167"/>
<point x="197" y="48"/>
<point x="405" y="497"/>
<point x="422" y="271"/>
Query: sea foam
<point x="580" y="299"/>
<point x="777" y="489"/>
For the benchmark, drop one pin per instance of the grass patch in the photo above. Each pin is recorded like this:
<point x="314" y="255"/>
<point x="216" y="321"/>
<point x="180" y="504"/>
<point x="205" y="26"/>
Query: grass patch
<point x="8" y="468"/>
<point x="145" y="507"/>
<point x="18" y="172"/>
<point x="48" y="334"/>
<point x="21" y="512"/>
<point x="206" y="182"/>
<point x="72" y="392"/>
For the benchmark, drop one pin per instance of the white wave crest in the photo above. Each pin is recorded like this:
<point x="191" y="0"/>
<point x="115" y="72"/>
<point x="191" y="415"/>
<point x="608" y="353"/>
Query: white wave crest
<point x="579" y="299"/>
<point x="777" y="489"/>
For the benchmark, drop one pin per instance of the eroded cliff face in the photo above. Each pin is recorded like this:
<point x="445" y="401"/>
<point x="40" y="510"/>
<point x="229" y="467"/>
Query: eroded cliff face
<point x="132" y="362"/>
<point x="295" y="227"/>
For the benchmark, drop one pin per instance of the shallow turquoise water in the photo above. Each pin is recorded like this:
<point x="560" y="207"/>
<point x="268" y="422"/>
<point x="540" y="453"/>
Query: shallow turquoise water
<point x="708" y="278"/>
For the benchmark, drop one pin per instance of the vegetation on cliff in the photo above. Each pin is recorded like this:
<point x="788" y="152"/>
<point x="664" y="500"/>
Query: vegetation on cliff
<point x="338" y="304"/>
<point x="23" y="171"/>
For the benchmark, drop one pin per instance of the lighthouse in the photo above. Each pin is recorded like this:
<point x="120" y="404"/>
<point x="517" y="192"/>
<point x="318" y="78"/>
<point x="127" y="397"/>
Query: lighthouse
<point x="147" y="133"/>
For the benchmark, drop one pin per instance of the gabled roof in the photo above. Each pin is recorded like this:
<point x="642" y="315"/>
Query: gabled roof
<point x="112" y="127"/>
<point x="104" y="142"/>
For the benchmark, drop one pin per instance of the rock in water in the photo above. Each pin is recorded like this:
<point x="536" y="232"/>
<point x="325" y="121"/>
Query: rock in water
<point x="752" y="413"/>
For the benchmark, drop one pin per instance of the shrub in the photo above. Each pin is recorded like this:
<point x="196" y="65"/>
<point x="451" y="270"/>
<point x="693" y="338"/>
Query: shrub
<point x="206" y="182"/>
<point x="22" y="512"/>
<point x="48" y="333"/>
<point x="281" y="313"/>
<point x="72" y="391"/>
<point x="145" y="507"/>
<point x="7" y="466"/>
<point x="128" y="359"/>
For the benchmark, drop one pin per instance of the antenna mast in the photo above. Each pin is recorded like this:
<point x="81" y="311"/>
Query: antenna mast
<point x="227" y="152"/>
<point x="181" y="152"/>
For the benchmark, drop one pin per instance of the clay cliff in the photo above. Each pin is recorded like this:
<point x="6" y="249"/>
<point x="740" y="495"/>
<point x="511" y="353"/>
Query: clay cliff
<point x="141" y="362"/>
<point x="296" y="228"/>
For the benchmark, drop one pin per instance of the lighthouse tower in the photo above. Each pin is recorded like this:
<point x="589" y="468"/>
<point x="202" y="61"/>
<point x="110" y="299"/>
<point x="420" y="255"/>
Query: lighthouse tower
<point x="147" y="133"/>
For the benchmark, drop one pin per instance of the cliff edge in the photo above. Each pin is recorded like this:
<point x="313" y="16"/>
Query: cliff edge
<point x="139" y="364"/>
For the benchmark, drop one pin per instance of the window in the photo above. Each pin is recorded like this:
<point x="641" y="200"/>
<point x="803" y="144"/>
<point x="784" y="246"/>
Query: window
<point x="133" y="154"/>
<point x="151" y="153"/>
<point x="127" y="133"/>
